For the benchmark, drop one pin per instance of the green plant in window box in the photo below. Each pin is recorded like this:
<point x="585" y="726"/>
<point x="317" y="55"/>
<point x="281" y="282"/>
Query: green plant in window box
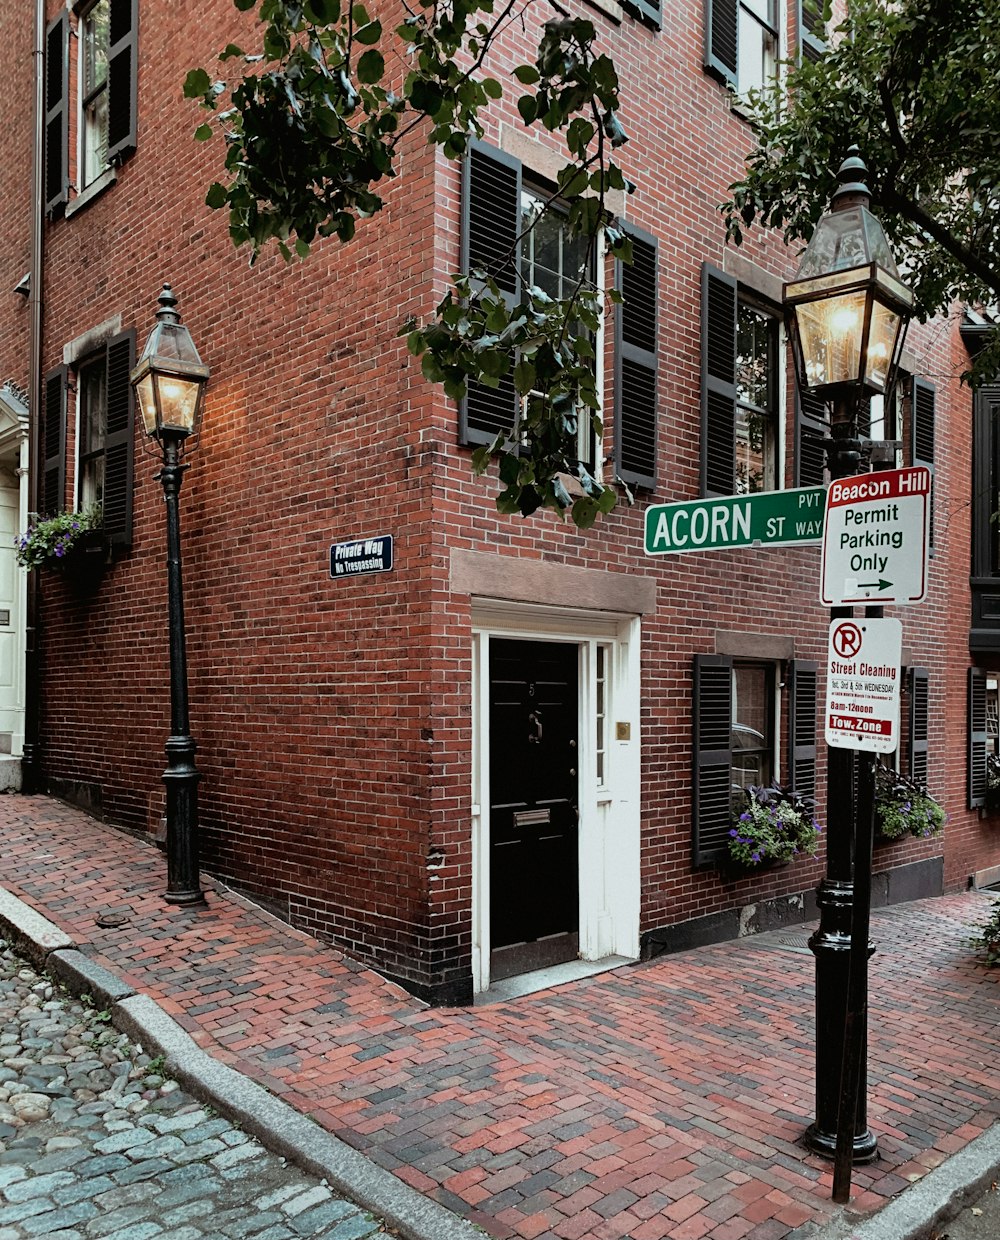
<point x="991" y="801"/>
<point x="904" y="807"/>
<point x="771" y="826"/>
<point x="59" y="541"/>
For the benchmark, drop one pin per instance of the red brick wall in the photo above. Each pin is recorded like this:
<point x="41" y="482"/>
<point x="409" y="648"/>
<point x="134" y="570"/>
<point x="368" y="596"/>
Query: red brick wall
<point x="334" y="718"/>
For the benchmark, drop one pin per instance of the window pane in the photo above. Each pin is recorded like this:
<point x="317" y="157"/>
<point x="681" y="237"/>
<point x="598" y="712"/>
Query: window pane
<point x="95" y="137"/>
<point x="92" y="387"/>
<point x="93" y="406"/>
<point x="601" y="730"/>
<point x="753" y="453"/>
<point x="756" y="414"/>
<point x="94" y="117"/>
<point x="95" y="46"/>
<point x="751" y="740"/>
<point x="754" y="361"/>
<point x="758" y="53"/>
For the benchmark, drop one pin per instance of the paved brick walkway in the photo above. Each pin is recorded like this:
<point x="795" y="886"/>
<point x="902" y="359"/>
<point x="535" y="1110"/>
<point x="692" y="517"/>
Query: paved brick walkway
<point x="663" y="1101"/>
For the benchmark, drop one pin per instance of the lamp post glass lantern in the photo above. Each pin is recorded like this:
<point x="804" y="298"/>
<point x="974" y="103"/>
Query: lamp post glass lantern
<point x="169" y="380"/>
<point x="848" y="306"/>
<point x="848" y="311"/>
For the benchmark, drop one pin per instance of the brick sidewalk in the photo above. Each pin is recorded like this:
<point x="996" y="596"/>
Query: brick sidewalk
<point x="658" y="1102"/>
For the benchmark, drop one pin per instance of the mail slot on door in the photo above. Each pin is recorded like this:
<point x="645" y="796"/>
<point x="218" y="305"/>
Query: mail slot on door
<point x="531" y="817"/>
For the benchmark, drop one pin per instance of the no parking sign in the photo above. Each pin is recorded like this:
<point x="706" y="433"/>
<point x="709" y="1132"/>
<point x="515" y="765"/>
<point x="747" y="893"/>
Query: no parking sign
<point x="862" y="684"/>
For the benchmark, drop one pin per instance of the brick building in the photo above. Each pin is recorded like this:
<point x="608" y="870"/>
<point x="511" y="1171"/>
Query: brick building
<point x="481" y="760"/>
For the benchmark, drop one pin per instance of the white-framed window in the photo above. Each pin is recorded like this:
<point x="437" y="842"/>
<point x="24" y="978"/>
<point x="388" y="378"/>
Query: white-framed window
<point x="756" y="399"/>
<point x="555" y="261"/>
<point x="753" y="730"/>
<point x="92" y="395"/>
<point x="601" y="687"/>
<point x="742" y="392"/>
<point x="95" y="42"/>
<point x="742" y="42"/>
<point x="757" y="63"/>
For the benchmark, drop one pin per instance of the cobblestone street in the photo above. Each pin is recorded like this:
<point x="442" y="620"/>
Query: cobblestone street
<point x="95" y="1143"/>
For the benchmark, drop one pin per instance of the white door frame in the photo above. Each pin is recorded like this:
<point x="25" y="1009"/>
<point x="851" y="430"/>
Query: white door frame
<point x="609" y="824"/>
<point x="14" y="444"/>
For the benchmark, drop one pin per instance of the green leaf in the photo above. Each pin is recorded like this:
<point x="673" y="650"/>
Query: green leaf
<point x="302" y="248"/>
<point x="196" y="84"/>
<point x="203" y="132"/>
<point x="492" y="88"/>
<point x="369" y="34"/>
<point x="371" y="66"/>
<point x="527" y="105"/>
<point x="231" y="50"/>
<point x="217" y="196"/>
<point x="528" y="75"/>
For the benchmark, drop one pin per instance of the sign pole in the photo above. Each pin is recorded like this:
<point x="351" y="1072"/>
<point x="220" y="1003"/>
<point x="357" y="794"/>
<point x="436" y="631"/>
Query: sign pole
<point x="856" y="1016"/>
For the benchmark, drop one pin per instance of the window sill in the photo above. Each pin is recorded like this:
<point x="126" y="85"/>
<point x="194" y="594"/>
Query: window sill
<point x="94" y="190"/>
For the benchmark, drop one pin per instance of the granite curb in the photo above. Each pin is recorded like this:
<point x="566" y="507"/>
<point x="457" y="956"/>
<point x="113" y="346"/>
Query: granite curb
<point x="917" y="1212"/>
<point x="278" y="1126"/>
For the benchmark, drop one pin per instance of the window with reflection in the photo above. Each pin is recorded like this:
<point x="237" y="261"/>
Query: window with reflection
<point x="559" y="264"/>
<point x="94" y="45"/>
<point x="758" y="45"/>
<point x="92" y="387"/>
<point x="756" y="400"/>
<point x="753" y="725"/>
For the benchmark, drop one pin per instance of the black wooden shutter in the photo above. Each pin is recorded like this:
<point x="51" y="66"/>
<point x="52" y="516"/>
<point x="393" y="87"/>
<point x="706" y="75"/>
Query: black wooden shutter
<point x="923" y="397"/>
<point x="56" y="115"/>
<point x="123" y="71"/>
<point x="812" y="427"/>
<point x="118" y="453"/>
<point x="52" y="441"/>
<point x="718" y="382"/>
<point x="713" y="723"/>
<point x="722" y="38"/>
<point x="802" y="727"/>
<point x="635" y="362"/>
<point x="978" y="737"/>
<point x="918" y="724"/>
<point x="491" y="222"/>
<point x="649" y="11"/>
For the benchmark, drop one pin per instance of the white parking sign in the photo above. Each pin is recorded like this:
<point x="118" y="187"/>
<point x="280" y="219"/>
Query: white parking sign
<point x="862" y="684"/>
<point x="875" y="538"/>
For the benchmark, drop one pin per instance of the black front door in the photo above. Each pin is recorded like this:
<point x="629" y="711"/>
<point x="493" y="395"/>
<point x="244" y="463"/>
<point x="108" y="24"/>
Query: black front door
<point x="534" y="758"/>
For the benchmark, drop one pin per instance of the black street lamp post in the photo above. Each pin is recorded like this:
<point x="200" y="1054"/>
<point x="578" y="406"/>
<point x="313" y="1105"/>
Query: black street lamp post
<point x="848" y="312"/>
<point x="168" y="383"/>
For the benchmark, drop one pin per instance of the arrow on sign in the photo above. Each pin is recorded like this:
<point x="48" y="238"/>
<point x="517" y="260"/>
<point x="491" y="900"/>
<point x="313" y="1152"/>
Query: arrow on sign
<point x="874" y="585"/>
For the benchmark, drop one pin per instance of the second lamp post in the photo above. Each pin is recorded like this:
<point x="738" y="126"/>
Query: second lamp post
<point x="169" y="380"/>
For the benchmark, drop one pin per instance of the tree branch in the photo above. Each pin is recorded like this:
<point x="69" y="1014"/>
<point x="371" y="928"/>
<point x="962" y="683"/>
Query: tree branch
<point x="893" y="200"/>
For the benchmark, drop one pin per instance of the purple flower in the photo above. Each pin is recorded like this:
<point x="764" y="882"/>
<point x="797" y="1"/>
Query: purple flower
<point x="60" y="551"/>
<point x="733" y="832"/>
<point x="745" y="816"/>
<point x="755" y="856"/>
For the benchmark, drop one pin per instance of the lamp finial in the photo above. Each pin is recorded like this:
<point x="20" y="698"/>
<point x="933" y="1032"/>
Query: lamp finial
<point x="853" y="177"/>
<point x="167" y="302"/>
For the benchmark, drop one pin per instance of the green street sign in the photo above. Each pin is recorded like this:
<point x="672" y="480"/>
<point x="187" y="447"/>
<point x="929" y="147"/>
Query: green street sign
<point x="766" y="518"/>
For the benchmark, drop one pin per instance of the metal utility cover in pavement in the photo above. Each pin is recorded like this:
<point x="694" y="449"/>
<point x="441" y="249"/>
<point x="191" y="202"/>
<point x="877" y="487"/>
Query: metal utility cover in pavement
<point x="875" y="538"/>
